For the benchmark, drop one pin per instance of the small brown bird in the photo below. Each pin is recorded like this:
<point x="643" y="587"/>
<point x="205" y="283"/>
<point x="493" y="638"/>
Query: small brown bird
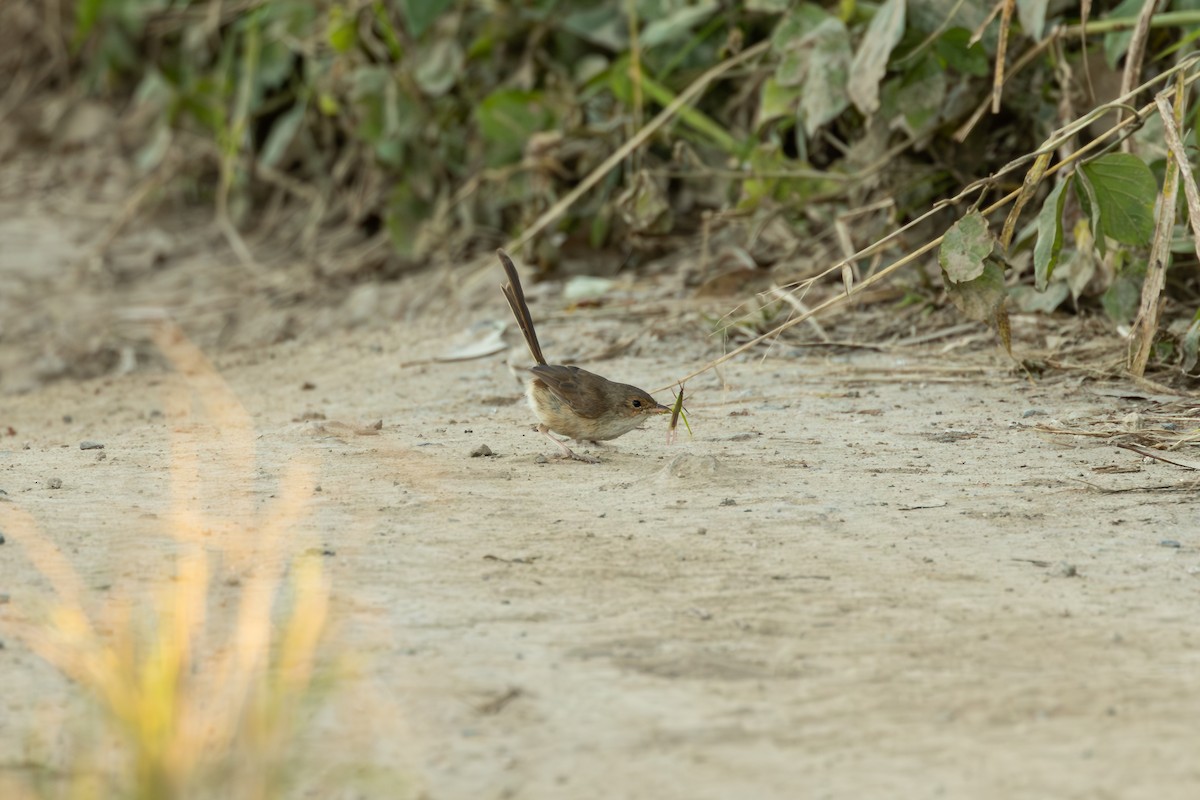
<point x="572" y="401"/>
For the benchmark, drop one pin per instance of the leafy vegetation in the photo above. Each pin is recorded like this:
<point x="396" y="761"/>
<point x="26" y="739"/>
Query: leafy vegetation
<point x="445" y="128"/>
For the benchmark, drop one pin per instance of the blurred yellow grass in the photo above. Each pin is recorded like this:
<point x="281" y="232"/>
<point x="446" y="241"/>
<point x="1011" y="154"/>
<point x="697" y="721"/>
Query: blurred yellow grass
<point x="199" y="711"/>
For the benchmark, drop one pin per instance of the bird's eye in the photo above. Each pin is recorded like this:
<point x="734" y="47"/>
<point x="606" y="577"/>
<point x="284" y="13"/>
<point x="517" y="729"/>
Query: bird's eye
<point x="637" y="403"/>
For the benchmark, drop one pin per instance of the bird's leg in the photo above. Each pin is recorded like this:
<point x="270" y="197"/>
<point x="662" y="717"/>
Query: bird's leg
<point x="567" y="452"/>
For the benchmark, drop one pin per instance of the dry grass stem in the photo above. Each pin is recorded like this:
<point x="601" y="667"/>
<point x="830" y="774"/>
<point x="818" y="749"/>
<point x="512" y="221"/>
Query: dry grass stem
<point x="1135" y="54"/>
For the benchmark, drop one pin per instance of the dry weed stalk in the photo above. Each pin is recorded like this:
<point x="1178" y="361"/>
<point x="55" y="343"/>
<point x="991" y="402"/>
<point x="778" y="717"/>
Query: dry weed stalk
<point x="201" y="708"/>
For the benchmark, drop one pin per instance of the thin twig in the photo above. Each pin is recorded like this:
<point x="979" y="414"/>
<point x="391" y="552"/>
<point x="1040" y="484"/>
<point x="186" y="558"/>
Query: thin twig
<point x="1145" y="326"/>
<point x="1001" y="51"/>
<point x="1142" y="451"/>
<point x="1180" y="154"/>
<point x="1135" y="55"/>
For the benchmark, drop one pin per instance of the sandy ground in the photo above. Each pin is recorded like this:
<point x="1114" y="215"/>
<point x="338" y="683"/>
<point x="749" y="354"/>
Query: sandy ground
<point x="867" y="575"/>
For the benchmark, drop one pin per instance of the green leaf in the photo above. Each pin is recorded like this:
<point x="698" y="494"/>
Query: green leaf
<point x="955" y="50"/>
<point x="870" y="62"/>
<point x="438" y="66"/>
<point x="964" y="248"/>
<point x="1124" y="190"/>
<point x="1032" y="14"/>
<point x="600" y="227"/>
<point x="775" y="101"/>
<point x="644" y="206"/>
<point x="275" y="65"/>
<point x="768" y="6"/>
<point x="282" y="133"/>
<point x="983" y="297"/>
<point x="1121" y="299"/>
<point x="420" y="14"/>
<point x="677" y="24"/>
<point x="387" y="32"/>
<point x="1117" y="42"/>
<point x="1031" y="301"/>
<point x="792" y="40"/>
<point x="914" y="101"/>
<point x="1091" y="210"/>
<point x="1080" y="265"/>
<point x="87" y="13"/>
<point x="151" y="154"/>
<point x="507" y="118"/>
<point x="387" y="117"/>
<point x="403" y="217"/>
<point x="1049" y="236"/>
<point x="604" y="25"/>
<point x="825" y="94"/>
<point x="327" y="104"/>
<point x="1191" y="346"/>
<point x="793" y="28"/>
<point x="341" y="30"/>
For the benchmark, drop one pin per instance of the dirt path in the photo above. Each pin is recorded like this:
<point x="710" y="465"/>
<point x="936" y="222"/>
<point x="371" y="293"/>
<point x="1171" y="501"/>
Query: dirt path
<point x="848" y="584"/>
<point x="868" y="575"/>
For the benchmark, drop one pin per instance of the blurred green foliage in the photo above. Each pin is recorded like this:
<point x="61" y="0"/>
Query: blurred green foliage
<point x="479" y="114"/>
<point x="451" y="125"/>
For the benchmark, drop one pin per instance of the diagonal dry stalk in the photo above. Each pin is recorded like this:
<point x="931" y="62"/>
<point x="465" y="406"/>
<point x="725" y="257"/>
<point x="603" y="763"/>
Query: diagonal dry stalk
<point x="1145" y="326"/>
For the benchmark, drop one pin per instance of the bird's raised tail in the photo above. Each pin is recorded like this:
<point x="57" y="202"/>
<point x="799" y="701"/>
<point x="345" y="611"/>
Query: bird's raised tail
<point x="516" y="301"/>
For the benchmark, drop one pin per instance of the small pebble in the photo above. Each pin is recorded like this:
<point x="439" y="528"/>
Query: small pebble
<point x="1065" y="570"/>
<point x="2" y="539"/>
<point x="729" y="501"/>
<point x="89" y="445"/>
<point x="1169" y="543"/>
<point x="482" y="450"/>
<point x="54" y="483"/>
<point x="4" y="598"/>
<point x="540" y="459"/>
<point x="1033" y="412"/>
